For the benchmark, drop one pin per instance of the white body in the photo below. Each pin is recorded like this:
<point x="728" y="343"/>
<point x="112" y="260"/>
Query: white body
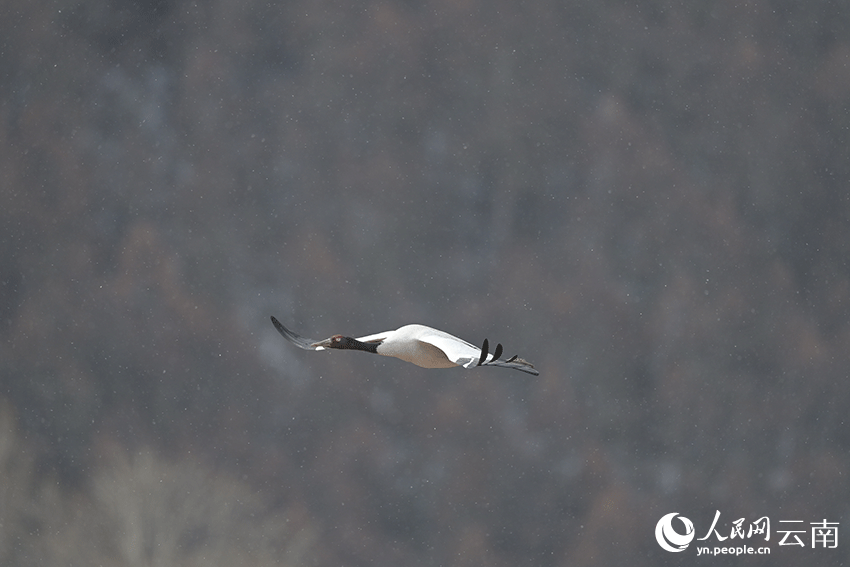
<point x="426" y="347"/>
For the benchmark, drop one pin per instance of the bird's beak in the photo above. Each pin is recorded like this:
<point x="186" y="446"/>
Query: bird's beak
<point x="322" y="344"/>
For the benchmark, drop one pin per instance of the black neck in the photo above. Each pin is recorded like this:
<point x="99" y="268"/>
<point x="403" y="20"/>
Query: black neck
<point x="354" y="344"/>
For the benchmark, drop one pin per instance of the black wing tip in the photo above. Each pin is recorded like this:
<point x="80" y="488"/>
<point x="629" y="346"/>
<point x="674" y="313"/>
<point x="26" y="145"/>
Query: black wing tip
<point x="484" y="348"/>
<point x="498" y="352"/>
<point x="485" y="351"/>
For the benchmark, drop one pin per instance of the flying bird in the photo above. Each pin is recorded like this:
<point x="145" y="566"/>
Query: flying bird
<point x="418" y="344"/>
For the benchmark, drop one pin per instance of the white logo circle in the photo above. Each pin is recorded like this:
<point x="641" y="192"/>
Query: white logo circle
<point x="670" y="539"/>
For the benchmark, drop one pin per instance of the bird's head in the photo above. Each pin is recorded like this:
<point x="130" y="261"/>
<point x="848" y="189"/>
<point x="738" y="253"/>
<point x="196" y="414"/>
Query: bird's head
<point x="343" y="342"/>
<point x="336" y="341"/>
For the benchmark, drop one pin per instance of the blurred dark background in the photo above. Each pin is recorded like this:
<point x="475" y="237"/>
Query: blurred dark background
<point x="648" y="200"/>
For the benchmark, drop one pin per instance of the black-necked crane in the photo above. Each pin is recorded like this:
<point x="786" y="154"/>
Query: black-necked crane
<point x="418" y="344"/>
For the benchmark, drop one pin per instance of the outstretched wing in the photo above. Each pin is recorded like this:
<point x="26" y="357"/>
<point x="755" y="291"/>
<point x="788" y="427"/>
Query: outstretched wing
<point x="467" y="355"/>
<point x="457" y="350"/>
<point x="514" y="362"/>
<point x="294" y="338"/>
